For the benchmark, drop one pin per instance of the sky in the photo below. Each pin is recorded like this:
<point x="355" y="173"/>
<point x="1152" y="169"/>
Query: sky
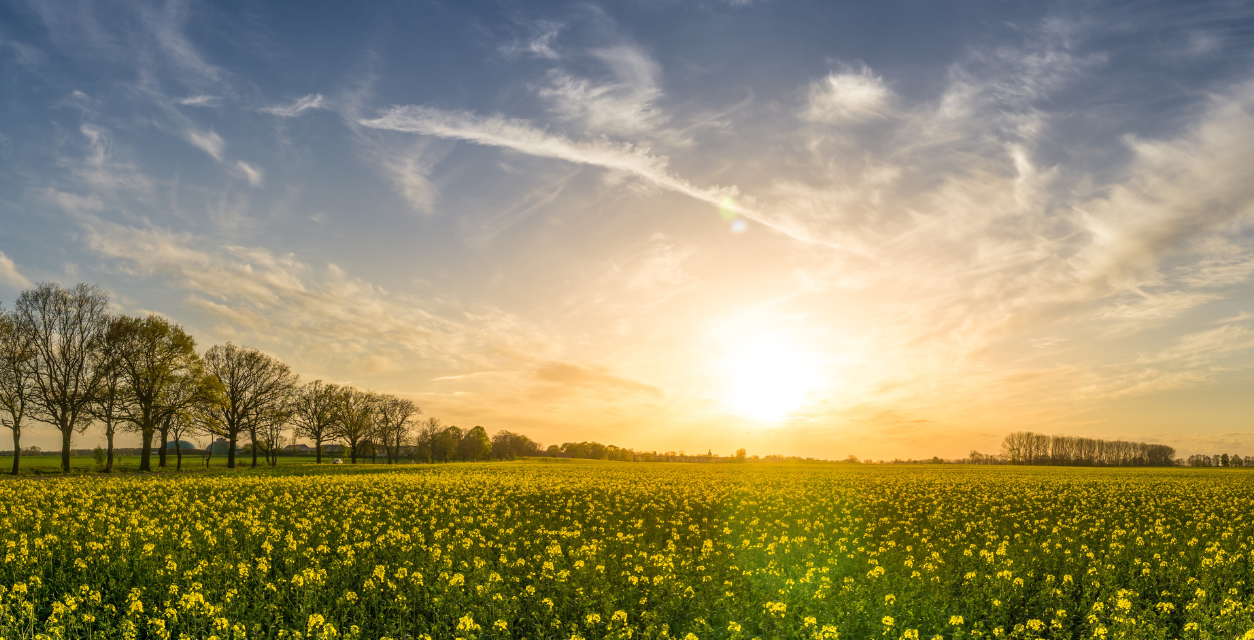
<point x="884" y="229"/>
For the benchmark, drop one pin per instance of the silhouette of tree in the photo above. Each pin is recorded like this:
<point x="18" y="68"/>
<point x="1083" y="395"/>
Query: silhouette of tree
<point x="64" y="327"/>
<point x="313" y="413"/>
<point x="252" y="384"/>
<point x="15" y="379"/>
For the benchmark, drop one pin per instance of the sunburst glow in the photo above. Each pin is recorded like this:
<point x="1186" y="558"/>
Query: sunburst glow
<point x="769" y="380"/>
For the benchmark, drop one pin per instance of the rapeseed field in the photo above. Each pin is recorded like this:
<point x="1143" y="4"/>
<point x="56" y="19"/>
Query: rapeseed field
<point x="616" y="550"/>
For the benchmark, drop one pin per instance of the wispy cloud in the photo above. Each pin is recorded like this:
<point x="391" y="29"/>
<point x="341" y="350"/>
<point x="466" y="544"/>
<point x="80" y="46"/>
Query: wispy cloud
<point x="538" y="44"/>
<point x="200" y="101"/>
<point x="847" y="96"/>
<point x="522" y="137"/>
<point x="207" y="141"/>
<point x="311" y="101"/>
<point x="251" y="173"/>
<point x="624" y="106"/>
<point x="9" y="274"/>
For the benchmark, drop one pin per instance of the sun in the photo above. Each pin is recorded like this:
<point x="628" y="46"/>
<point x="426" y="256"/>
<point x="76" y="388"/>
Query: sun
<point x="768" y="380"/>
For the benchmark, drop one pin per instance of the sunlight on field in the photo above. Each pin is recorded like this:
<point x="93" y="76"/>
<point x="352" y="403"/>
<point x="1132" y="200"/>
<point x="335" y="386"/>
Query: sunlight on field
<point x="605" y="550"/>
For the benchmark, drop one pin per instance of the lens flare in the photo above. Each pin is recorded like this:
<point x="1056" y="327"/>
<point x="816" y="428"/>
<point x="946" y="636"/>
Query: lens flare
<point x="727" y="209"/>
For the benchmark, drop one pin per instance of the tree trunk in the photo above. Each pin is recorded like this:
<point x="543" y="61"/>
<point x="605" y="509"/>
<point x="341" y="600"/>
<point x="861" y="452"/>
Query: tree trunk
<point x="178" y="453"/>
<point x="254" y="436"/>
<point x="65" y="449"/>
<point x="230" y="453"/>
<point x="17" y="447"/>
<point x="165" y="444"/>
<point x="318" y="450"/>
<point x="145" y="452"/>
<point x="109" y="453"/>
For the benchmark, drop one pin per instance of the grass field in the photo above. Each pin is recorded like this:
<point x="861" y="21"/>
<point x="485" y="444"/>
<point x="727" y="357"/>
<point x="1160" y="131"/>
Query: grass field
<point x="618" y="550"/>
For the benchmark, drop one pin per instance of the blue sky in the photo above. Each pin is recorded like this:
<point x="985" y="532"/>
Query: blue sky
<point x="882" y="229"/>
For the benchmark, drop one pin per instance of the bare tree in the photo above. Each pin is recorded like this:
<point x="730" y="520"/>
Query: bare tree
<point x="182" y="424"/>
<point x="64" y="326"/>
<point x="15" y="379"/>
<point x="272" y="426"/>
<point x="428" y="435"/>
<point x="252" y="384"/>
<point x="394" y="428"/>
<point x="313" y="413"/>
<point x="354" y="419"/>
<point x="108" y="407"/>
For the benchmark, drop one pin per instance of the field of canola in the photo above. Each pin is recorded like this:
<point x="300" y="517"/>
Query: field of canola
<point x="616" y="550"/>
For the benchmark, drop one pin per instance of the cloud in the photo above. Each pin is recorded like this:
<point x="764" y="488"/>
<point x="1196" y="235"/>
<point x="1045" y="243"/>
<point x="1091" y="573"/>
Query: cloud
<point x="311" y="101"/>
<point x="522" y="137"/>
<point x="283" y="303"/>
<point x="200" y="101"/>
<point x="251" y="173"/>
<point x="560" y="379"/>
<point x="9" y="275"/>
<point x="539" y="45"/>
<point x="622" y="107"/>
<point x="209" y="142"/>
<point x="848" y="96"/>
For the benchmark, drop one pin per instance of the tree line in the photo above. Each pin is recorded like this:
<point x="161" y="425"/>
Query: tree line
<point x="1025" y="447"/>
<point x="65" y="361"/>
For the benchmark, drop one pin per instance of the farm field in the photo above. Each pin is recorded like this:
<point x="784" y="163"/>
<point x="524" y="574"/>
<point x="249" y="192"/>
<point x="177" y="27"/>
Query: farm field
<point x="616" y="550"/>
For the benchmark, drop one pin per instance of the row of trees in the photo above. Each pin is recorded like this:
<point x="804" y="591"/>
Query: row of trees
<point x="1025" y="447"/>
<point x="1222" y="460"/>
<point x="66" y="362"/>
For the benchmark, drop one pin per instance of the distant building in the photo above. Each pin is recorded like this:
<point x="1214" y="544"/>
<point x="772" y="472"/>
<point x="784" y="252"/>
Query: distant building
<point x="298" y="448"/>
<point x="219" y="447"/>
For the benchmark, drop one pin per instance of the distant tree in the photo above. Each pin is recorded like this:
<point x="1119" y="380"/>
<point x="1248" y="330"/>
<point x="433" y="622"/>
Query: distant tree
<point x="475" y="445"/>
<point x="428" y="434"/>
<point x="553" y="450"/>
<point x="182" y="425"/>
<point x="354" y="419"/>
<point x="271" y="427"/>
<point x="109" y="407"/>
<point x="313" y="413"/>
<point x="1236" y="460"/>
<point x="252" y="383"/>
<point x="446" y="443"/>
<point x="508" y="445"/>
<point x="741" y="454"/>
<point x="393" y="416"/>
<point x="15" y="379"/>
<point x="161" y="376"/>
<point x="64" y="327"/>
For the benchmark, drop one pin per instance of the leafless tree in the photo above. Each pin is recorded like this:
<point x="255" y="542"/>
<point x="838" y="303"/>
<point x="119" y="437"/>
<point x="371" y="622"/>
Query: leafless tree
<point x="64" y="327"/>
<point x="15" y="379"/>
<point x="313" y="413"/>
<point x="252" y="384"/>
<point x="392" y="416"/>
<point x="108" y="407"/>
<point x="354" y="419"/>
<point x="272" y="426"/>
